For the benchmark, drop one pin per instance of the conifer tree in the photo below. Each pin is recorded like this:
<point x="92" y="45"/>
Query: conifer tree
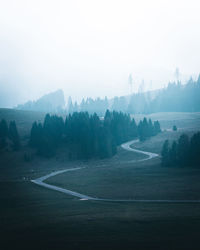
<point x="194" y="153"/>
<point x="34" y="135"/>
<point x="183" y="150"/>
<point x="3" y="133"/>
<point x="173" y="154"/>
<point x="165" y="153"/>
<point x="13" y="135"/>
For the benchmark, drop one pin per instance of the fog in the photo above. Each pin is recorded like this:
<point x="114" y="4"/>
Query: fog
<point x="89" y="48"/>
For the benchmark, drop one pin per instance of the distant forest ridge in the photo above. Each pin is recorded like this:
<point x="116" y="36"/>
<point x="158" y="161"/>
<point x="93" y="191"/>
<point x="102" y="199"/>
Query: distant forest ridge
<point x="52" y="102"/>
<point x="176" y="97"/>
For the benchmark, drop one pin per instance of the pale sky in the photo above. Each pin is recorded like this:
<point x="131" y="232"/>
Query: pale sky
<point x="89" y="47"/>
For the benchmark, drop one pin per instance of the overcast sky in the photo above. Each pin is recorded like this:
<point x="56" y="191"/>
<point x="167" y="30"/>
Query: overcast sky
<point x="89" y="47"/>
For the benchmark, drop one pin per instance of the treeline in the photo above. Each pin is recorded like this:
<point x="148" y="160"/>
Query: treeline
<point x="176" y="97"/>
<point x="147" y="129"/>
<point x="183" y="153"/>
<point x="9" y="135"/>
<point x="87" y="136"/>
<point x="98" y="106"/>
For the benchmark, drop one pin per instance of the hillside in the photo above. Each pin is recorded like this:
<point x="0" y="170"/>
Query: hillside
<point x="51" y="102"/>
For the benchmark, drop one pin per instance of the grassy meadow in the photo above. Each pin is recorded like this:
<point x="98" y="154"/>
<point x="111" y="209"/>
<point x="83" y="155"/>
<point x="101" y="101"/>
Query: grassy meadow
<point x="32" y="217"/>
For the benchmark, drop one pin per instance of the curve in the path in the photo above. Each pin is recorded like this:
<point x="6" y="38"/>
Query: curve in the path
<point x="126" y="146"/>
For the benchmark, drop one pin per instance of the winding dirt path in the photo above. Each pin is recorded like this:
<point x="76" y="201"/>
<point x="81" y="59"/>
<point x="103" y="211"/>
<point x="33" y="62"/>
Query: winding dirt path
<point x="126" y="146"/>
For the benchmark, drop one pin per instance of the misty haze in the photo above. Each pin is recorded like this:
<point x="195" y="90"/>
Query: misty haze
<point x="99" y="124"/>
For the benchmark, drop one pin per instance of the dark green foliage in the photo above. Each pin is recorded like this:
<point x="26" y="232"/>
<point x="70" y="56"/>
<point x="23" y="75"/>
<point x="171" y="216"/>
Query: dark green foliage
<point x="173" y="154"/>
<point x="46" y="147"/>
<point x="185" y="152"/>
<point x="34" y="135"/>
<point x="3" y="128"/>
<point x="27" y="157"/>
<point x="9" y="135"/>
<point x="165" y="153"/>
<point x="13" y="135"/>
<point x="156" y="128"/>
<point x="195" y="149"/>
<point x="86" y="136"/>
<point x="147" y="129"/>
<point x="48" y="136"/>
<point x="3" y="133"/>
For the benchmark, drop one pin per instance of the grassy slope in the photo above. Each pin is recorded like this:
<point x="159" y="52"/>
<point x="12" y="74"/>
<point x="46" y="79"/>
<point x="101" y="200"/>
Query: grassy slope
<point x="154" y="144"/>
<point x="23" y="119"/>
<point x="167" y="120"/>
<point x="33" y="217"/>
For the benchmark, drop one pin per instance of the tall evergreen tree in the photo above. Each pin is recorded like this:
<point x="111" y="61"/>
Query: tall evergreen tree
<point x="157" y="128"/>
<point x="34" y="135"/>
<point x="165" y="153"/>
<point x="13" y="135"/>
<point x="184" y="153"/>
<point x="194" y="152"/>
<point x="183" y="150"/>
<point x="173" y="154"/>
<point x="3" y="133"/>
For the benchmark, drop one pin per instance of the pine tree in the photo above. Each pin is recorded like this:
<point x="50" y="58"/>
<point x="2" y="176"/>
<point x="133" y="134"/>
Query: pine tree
<point x="165" y="154"/>
<point x="150" y="128"/>
<point x="13" y="135"/>
<point x="157" y="128"/>
<point x="183" y="150"/>
<point x="174" y="128"/>
<point x="3" y="133"/>
<point x="34" y="135"/>
<point x="195" y="150"/>
<point x="173" y="154"/>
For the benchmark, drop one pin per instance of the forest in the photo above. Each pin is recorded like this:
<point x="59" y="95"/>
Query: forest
<point x="9" y="136"/>
<point x="183" y="153"/>
<point x="87" y="136"/>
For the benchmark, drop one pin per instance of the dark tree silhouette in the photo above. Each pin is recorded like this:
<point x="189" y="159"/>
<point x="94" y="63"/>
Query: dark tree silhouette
<point x="86" y="136"/>
<point x="165" y="153"/>
<point x="194" y="154"/>
<point x="173" y="154"/>
<point x="174" y="128"/>
<point x="3" y="133"/>
<point x="183" y="153"/>
<point x="13" y="135"/>
<point x="183" y="150"/>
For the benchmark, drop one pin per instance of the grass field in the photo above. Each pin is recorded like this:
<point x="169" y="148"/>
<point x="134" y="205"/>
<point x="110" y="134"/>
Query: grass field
<point x="155" y="143"/>
<point x="32" y="217"/>
<point x="167" y="120"/>
<point x="139" y="181"/>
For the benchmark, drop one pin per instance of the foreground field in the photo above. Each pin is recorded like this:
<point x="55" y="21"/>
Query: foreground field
<point x="139" y="181"/>
<point x="33" y="217"/>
